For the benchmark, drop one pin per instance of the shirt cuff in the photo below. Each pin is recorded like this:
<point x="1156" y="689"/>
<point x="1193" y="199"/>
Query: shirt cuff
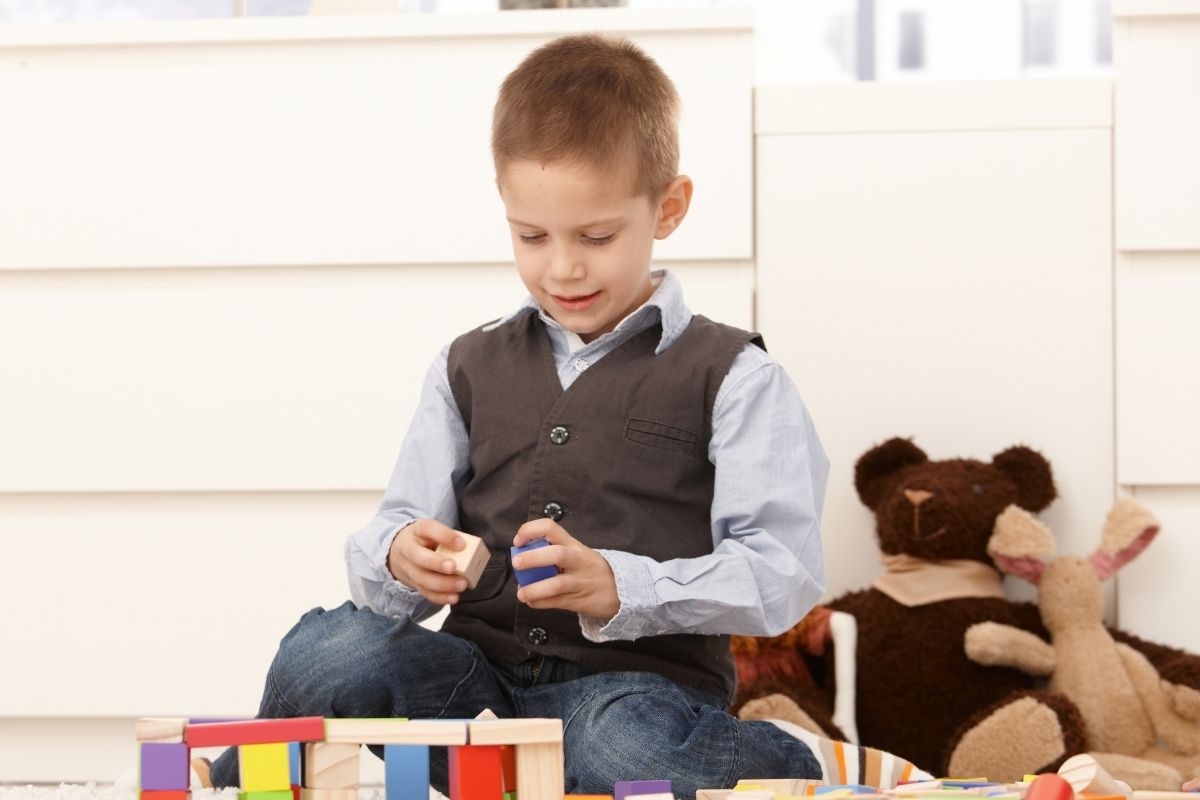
<point x="635" y="591"/>
<point x="391" y="586"/>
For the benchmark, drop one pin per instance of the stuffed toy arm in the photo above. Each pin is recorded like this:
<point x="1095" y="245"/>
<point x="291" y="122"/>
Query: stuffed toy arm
<point x="995" y="645"/>
<point x="1180" y="733"/>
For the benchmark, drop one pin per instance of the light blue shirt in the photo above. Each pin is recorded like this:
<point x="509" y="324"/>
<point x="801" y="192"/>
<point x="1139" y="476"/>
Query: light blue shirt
<point x="765" y="571"/>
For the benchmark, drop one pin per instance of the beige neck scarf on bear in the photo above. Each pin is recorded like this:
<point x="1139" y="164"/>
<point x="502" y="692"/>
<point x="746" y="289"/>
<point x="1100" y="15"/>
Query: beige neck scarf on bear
<point x="913" y="581"/>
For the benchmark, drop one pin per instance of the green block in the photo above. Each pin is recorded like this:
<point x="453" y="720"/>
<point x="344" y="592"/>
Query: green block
<point x="510" y="796"/>
<point x="275" y="795"/>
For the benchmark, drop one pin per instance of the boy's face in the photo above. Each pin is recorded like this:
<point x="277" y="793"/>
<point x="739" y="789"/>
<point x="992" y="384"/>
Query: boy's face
<point x="582" y="242"/>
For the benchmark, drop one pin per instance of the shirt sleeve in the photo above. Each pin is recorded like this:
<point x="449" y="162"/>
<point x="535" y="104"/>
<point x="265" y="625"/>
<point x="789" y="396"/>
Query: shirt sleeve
<point x="432" y="465"/>
<point x="766" y="570"/>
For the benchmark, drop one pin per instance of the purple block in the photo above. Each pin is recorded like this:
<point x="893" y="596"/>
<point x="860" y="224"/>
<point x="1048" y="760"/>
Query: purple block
<point x="164" y="766"/>
<point x="623" y="789"/>
<point x="528" y="576"/>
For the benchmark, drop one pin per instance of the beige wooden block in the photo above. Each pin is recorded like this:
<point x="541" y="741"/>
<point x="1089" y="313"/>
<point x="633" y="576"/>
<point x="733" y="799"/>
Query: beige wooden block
<point x="777" y="785"/>
<point x="1147" y="794"/>
<point x="328" y="794"/>
<point x="395" y="731"/>
<point x="166" y="730"/>
<point x="714" y="794"/>
<point x="540" y="771"/>
<point x="515" y="731"/>
<point x="331" y="765"/>
<point x="1085" y="774"/>
<point x="470" y="561"/>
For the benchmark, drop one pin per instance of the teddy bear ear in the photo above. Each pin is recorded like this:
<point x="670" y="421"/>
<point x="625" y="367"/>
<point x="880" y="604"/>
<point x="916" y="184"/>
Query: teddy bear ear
<point x="1030" y="471"/>
<point x="877" y="465"/>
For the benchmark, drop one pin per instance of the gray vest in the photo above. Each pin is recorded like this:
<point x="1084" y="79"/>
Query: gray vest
<point x="620" y="459"/>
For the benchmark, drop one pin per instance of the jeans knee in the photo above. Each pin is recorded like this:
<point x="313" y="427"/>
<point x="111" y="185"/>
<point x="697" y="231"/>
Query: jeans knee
<point x="648" y="731"/>
<point x="329" y="656"/>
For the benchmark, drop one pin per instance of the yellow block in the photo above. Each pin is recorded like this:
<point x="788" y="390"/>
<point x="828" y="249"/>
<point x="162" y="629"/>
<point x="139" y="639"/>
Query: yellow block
<point x="264" y="767"/>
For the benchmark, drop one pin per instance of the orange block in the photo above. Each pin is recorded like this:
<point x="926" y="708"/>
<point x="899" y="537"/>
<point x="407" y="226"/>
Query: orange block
<point x="508" y="768"/>
<point x="164" y="794"/>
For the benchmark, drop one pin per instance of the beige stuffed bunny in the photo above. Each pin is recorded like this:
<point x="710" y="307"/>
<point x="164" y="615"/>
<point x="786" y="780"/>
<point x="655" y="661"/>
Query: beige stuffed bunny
<point x="1142" y="729"/>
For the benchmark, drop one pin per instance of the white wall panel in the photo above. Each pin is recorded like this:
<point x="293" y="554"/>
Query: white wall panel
<point x="1157" y="61"/>
<point x="145" y="604"/>
<point x="315" y="141"/>
<point x="947" y="284"/>
<point x="243" y="379"/>
<point x="1158" y="368"/>
<point x="1159" y="591"/>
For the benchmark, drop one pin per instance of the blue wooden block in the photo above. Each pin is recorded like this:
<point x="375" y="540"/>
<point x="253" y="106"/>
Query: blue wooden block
<point x="294" y="764"/>
<point x="528" y="576"/>
<point x="856" y="788"/>
<point x="406" y="771"/>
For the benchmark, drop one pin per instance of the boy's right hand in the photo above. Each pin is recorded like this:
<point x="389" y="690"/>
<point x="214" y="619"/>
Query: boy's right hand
<point x="413" y="562"/>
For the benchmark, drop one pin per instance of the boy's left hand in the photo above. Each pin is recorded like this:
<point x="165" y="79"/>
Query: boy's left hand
<point x="585" y="583"/>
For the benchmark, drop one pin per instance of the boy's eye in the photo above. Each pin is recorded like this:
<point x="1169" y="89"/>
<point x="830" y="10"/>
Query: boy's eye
<point x="599" y="241"/>
<point x="535" y="239"/>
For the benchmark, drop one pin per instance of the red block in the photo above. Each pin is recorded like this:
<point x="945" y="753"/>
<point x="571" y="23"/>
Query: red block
<point x="476" y="773"/>
<point x="1049" y="786"/>
<point x="164" y="794"/>
<point x="508" y="767"/>
<point x="255" y="731"/>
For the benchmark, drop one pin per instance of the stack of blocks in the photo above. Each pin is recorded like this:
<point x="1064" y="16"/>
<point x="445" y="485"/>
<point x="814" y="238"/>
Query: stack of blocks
<point x="489" y="759"/>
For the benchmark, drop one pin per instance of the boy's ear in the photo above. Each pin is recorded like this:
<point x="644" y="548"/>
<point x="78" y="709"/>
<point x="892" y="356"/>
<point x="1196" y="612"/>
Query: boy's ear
<point x="673" y="206"/>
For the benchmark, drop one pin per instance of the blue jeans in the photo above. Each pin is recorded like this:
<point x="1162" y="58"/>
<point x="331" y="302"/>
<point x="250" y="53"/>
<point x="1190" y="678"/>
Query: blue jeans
<point x="351" y="662"/>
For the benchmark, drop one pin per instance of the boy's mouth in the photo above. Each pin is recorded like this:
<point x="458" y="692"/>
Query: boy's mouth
<point x="576" y="303"/>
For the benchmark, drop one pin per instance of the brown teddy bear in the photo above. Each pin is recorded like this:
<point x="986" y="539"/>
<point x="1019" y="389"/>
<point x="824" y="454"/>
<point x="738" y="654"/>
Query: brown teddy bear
<point x="917" y="693"/>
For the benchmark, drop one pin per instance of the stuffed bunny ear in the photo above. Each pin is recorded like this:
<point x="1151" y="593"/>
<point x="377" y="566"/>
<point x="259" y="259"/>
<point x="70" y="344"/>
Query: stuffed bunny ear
<point x="1020" y="544"/>
<point x="1128" y="530"/>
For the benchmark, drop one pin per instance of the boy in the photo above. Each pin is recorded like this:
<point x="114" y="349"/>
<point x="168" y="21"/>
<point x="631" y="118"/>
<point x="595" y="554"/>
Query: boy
<point x="667" y="460"/>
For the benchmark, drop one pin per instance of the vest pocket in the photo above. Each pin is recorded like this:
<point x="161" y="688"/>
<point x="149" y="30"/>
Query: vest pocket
<point x="664" y="437"/>
<point x="491" y="580"/>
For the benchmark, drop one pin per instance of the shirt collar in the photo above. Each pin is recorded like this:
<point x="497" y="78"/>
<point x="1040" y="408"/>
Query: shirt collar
<point x="665" y="305"/>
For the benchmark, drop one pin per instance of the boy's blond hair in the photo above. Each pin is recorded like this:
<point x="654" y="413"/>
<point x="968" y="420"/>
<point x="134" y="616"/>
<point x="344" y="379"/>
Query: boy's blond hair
<point x="596" y="100"/>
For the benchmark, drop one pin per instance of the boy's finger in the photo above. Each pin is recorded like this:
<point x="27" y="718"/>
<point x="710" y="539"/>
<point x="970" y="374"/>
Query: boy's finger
<point x="431" y="561"/>
<point x="548" y="556"/>
<point x="544" y="528"/>
<point x="541" y="591"/>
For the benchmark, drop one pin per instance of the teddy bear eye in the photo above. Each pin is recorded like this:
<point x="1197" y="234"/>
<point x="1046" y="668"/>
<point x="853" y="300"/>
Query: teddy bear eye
<point x="976" y="488"/>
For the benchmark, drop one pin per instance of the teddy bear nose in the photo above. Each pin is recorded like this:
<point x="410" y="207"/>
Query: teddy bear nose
<point x="917" y="496"/>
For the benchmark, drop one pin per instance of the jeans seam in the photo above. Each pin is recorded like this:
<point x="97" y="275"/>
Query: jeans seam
<point x="279" y="698"/>
<point x="735" y="763"/>
<point x="459" y="685"/>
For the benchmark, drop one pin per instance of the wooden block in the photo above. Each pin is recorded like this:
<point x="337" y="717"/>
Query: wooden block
<point x="470" y="561"/>
<point x="164" y="766"/>
<point x="1147" y="794"/>
<point x="331" y="765"/>
<point x="508" y="768"/>
<point x="255" y="731"/>
<point x="714" y="794"/>
<point x="184" y="794"/>
<point x="334" y="794"/>
<point x="514" y="731"/>
<point x="533" y="575"/>
<point x="1050" y="787"/>
<point x="766" y="795"/>
<point x="396" y="731"/>
<point x="296" y="765"/>
<point x="596" y="797"/>
<point x="167" y="730"/>
<point x="777" y="785"/>
<point x="406" y="771"/>
<point x="1085" y="774"/>
<point x="264" y="767"/>
<point x="475" y="773"/>
<point x="540" y="771"/>
<point x="624" y="789"/>
<point x="280" y="794"/>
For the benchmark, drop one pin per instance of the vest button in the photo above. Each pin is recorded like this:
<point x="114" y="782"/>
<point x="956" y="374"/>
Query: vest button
<point x="554" y="511"/>
<point x="537" y="636"/>
<point x="559" y="434"/>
